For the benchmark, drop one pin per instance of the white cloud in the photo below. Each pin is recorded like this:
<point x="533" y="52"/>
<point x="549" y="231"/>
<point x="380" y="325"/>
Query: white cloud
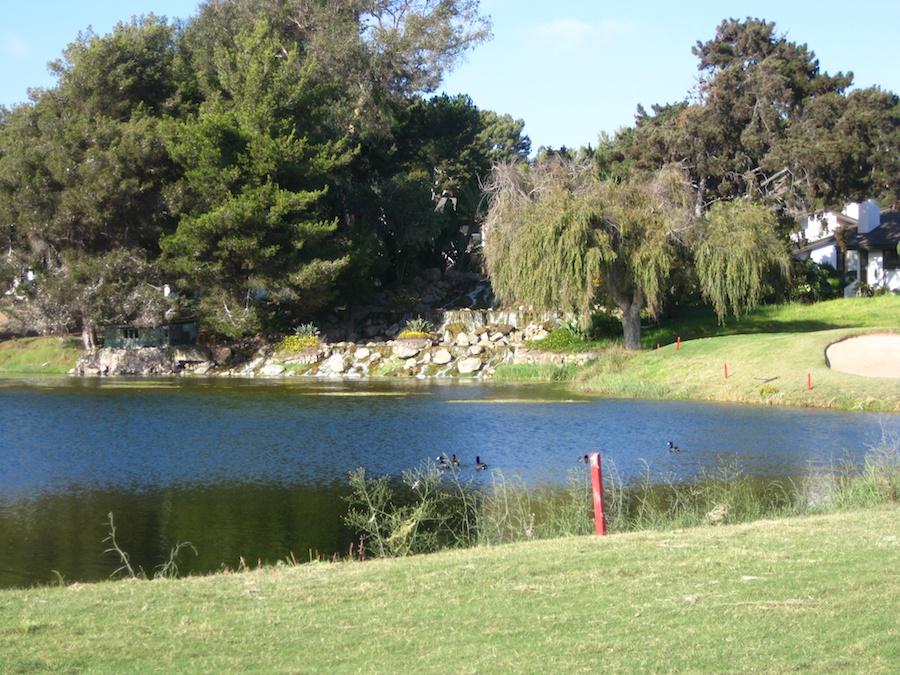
<point x="15" y="46"/>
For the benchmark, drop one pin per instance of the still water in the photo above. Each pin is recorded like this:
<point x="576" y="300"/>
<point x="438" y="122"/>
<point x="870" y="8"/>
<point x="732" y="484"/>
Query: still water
<point x="258" y="470"/>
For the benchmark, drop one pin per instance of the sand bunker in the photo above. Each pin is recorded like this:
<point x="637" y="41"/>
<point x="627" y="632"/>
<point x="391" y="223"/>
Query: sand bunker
<point x="868" y="355"/>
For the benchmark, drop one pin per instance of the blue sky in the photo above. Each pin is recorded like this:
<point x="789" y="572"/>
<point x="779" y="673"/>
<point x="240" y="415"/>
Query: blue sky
<point x="569" y="68"/>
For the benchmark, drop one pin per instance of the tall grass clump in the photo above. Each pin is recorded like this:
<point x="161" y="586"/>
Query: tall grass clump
<point x="877" y="481"/>
<point x="427" y="510"/>
<point x="431" y="509"/>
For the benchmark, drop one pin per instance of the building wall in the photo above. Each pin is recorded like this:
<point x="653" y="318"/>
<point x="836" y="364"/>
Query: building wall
<point x="825" y="255"/>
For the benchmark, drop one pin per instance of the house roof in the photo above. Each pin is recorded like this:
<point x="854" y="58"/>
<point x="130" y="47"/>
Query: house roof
<point x="886" y="235"/>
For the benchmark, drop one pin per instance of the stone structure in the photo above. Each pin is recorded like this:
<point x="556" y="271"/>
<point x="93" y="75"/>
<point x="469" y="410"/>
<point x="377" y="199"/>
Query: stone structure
<point x="476" y="353"/>
<point x="471" y="340"/>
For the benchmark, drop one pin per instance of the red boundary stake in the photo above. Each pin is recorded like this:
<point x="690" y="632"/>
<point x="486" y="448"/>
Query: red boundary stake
<point x="678" y="344"/>
<point x="726" y="371"/>
<point x="809" y="382"/>
<point x="597" y="484"/>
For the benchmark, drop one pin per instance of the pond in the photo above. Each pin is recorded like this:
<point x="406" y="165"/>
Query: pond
<point x="253" y="470"/>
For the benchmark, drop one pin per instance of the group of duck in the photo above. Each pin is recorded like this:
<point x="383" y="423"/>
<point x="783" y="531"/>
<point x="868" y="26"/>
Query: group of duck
<point x="584" y="459"/>
<point x="453" y="462"/>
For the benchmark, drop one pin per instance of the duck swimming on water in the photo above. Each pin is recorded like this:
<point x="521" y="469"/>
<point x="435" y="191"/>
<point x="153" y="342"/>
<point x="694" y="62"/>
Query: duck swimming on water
<point x="454" y="461"/>
<point x="479" y="465"/>
<point x="672" y="447"/>
<point x="442" y="462"/>
<point x="584" y="459"/>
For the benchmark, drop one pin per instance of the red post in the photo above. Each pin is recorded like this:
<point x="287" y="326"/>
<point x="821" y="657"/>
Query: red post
<point x="726" y="371"/>
<point x="678" y="344"/>
<point x="809" y="382"/>
<point x="597" y="483"/>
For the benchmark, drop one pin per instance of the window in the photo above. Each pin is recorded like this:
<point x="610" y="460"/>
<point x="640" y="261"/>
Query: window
<point x="891" y="259"/>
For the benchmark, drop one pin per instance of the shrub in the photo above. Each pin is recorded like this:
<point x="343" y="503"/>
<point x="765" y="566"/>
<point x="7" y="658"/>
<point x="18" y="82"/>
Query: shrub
<point x="416" y="328"/>
<point x="561" y="339"/>
<point x="306" y="330"/>
<point x="296" y="343"/>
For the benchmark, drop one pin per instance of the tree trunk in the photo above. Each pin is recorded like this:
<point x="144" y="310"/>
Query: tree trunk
<point x="88" y="339"/>
<point x="631" y="325"/>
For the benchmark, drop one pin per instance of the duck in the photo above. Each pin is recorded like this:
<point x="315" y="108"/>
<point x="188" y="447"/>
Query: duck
<point x="672" y="447"/>
<point x="479" y="465"/>
<point x="442" y="462"/>
<point x="454" y="461"/>
<point x="584" y="459"/>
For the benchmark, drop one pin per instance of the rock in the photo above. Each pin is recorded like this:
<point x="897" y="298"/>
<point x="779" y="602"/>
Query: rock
<point x="405" y="349"/>
<point x="432" y="274"/>
<point x="190" y="355"/>
<point x="442" y="357"/>
<point x="336" y="363"/>
<point x="361" y="354"/>
<point x="271" y="370"/>
<point x="222" y="355"/>
<point x="475" y="350"/>
<point x="111" y="361"/>
<point x="462" y="340"/>
<point x="203" y="368"/>
<point x="249" y="370"/>
<point x="469" y="365"/>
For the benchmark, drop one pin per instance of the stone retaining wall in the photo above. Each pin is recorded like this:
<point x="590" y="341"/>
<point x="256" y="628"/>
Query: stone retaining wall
<point x="475" y="353"/>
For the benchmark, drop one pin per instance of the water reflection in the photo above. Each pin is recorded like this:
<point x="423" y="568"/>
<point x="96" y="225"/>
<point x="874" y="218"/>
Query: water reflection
<point x="257" y="469"/>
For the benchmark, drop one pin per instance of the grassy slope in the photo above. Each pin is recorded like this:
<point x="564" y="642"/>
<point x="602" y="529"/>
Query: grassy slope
<point x="817" y="594"/>
<point x="770" y="356"/>
<point x="39" y="354"/>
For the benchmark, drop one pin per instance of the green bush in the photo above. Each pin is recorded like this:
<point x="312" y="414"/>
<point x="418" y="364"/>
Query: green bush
<point x="306" y="330"/>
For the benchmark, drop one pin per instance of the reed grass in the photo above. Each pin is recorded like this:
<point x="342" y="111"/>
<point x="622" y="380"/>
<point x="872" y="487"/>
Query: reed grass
<point x="432" y="509"/>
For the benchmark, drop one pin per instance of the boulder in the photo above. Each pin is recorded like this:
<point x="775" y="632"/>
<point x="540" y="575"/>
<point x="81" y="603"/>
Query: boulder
<point x="271" y="370"/>
<point x="405" y="349"/>
<point x="336" y="363"/>
<point x="469" y="365"/>
<point x="442" y="357"/>
<point x="190" y="355"/>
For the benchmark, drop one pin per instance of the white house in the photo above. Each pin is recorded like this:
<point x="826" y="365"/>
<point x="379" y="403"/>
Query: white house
<point x="861" y="242"/>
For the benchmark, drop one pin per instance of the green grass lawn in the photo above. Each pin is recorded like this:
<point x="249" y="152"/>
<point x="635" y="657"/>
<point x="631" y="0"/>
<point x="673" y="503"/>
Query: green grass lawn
<point x="815" y="594"/>
<point x="772" y="356"/>
<point x="39" y="354"/>
<point x="700" y="321"/>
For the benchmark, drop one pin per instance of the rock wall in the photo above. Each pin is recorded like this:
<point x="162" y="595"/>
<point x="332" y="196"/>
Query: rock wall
<point x="457" y="353"/>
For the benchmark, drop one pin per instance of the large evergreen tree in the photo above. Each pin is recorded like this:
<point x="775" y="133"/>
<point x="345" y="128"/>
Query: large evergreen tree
<point x="770" y="126"/>
<point x="83" y="177"/>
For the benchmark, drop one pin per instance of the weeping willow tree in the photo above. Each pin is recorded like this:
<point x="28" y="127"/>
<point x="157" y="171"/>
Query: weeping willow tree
<point x="539" y="239"/>
<point x="738" y="253"/>
<point x="558" y="237"/>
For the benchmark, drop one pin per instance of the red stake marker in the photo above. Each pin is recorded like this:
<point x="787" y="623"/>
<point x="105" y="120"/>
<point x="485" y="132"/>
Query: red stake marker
<point x="726" y="371"/>
<point x="809" y="382"/>
<point x="678" y="344"/>
<point x="597" y="484"/>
